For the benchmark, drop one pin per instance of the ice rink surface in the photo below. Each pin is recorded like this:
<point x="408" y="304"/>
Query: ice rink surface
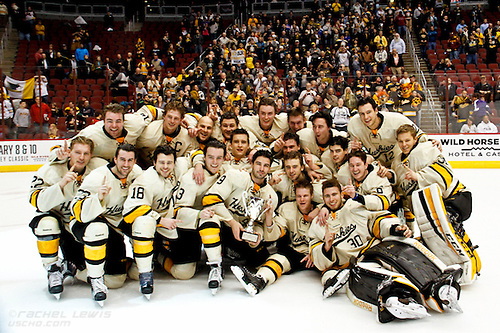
<point x="292" y="304"/>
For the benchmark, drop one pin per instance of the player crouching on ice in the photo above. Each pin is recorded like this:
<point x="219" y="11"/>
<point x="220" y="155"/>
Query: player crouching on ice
<point x="395" y="275"/>
<point x="437" y="199"/>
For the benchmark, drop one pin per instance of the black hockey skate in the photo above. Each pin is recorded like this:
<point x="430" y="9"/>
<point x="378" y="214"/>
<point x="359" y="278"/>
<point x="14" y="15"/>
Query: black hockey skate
<point x="395" y="301"/>
<point x="215" y="277"/>
<point x="146" y="283"/>
<point x="333" y="284"/>
<point x="99" y="290"/>
<point x="252" y="283"/>
<point x="55" y="278"/>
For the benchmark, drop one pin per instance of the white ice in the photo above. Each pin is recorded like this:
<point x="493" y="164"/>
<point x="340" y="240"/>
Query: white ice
<point x="292" y="304"/>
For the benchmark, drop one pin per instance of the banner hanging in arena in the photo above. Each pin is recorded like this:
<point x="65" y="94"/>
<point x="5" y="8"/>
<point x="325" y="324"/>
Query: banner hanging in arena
<point x="19" y="89"/>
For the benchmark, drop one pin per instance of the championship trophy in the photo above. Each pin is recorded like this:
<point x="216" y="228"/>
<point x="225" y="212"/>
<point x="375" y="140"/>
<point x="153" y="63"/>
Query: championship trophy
<point x="253" y="209"/>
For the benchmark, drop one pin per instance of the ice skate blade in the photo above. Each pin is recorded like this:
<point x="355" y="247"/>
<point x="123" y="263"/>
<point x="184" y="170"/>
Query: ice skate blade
<point x="214" y="291"/>
<point x="148" y="296"/>
<point x="101" y="303"/>
<point x="449" y="297"/>
<point x="238" y="273"/>
<point x="405" y="311"/>
<point x="56" y="296"/>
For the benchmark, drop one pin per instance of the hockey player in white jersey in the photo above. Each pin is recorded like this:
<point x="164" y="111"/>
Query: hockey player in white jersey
<point x="313" y="166"/>
<point x="366" y="186"/>
<point x="226" y="198"/>
<point x="98" y="221"/>
<point x="149" y="207"/>
<point x="166" y="131"/>
<point x="267" y="126"/>
<point x="439" y="201"/>
<point x="115" y="129"/>
<point x="289" y="228"/>
<point x="180" y="249"/>
<point x="317" y="139"/>
<point x="52" y="189"/>
<point x="335" y="158"/>
<point x="283" y="182"/>
<point x="394" y="277"/>
<point x="376" y="131"/>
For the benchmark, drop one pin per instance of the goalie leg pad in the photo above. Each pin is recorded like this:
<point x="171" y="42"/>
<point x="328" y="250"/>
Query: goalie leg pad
<point x="387" y="293"/>
<point x="450" y="245"/>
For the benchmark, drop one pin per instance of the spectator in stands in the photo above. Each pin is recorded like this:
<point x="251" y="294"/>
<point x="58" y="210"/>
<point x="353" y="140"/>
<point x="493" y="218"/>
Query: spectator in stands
<point x="157" y="65"/>
<point x="40" y="113"/>
<point x="461" y="110"/>
<point x="4" y="14"/>
<point x="87" y="111"/>
<point x="307" y="96"/>
<point x="109" y="21"/>
<point x="484" y="88"/>
<point x="432" y="37"/>
<point x="486" y="126"/>
<point x="8" y="114"/>
<point x="471" y="49"/>
<point x="30" y="16"/>
<point x="144" y="66"/>
<point x="491" y="50"/>
<point x="119" y="86"/>
<point x="41" y="84"/>
<point x="395" y="63"/>
<point x="454" y="46"/>
<point x="480" y="107"/>
<point x="450" y="88"/>
<point x="22" y="119"/>
<point x="469" y="127"/>
<point x="398" y="44"/>
<point x="55" y="111"/>
<point x="74" y="119"/>
<point x="153" y="86"/>
<point x="53" y="132"/>
<point x="40" y="31"/>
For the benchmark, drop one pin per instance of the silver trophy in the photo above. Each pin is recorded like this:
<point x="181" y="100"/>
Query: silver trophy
<point x="253" y="209"/>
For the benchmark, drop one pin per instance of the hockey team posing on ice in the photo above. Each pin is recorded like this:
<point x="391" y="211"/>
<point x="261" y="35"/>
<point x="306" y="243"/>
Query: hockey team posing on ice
<point x="377" y="209"/>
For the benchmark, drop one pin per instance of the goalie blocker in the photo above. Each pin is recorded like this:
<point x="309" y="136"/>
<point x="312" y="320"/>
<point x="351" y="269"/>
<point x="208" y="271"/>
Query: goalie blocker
<point x="443" y="233"/>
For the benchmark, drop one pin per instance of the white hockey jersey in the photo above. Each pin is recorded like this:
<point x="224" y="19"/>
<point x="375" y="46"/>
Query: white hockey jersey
<point x="280" y="126"/>
<point x="356" y="229"/>
<point x="381" y="143"/>
<point x="431" y="168"/>
<point x="308" y="141"/>
<point x="46" y="194"/>
<point x="153" y="136"/>
<point x="86" y="205"/>
<point x="376" y="191"/>
<point x="188" y="198"/>
<point x="152" y="194"/>
<point x="290" y="219"/>
<point x="226" y="196"/>
<point x="105" y="145"/>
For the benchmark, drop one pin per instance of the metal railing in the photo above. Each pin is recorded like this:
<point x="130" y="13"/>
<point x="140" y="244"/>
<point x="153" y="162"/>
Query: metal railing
<point x="429" y="99"/>
<point x="155" y="13"/>
<point x="68" y="11"/>
<point x="5" y="38"/>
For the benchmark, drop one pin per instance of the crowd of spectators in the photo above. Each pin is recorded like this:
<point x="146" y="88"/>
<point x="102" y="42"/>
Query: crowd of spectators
<point x="324" y="61"/>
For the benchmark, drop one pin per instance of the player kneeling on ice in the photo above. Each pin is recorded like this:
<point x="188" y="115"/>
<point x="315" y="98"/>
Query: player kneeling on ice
<point x="52" y="189"/>
<point x="289" y="228"/>
<point x="237" y="200"/>
<point x="395" y="277"/>
<point x="149" y="208"/>
<point x="439" y="202"/>
<point x="98" y="221"/>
